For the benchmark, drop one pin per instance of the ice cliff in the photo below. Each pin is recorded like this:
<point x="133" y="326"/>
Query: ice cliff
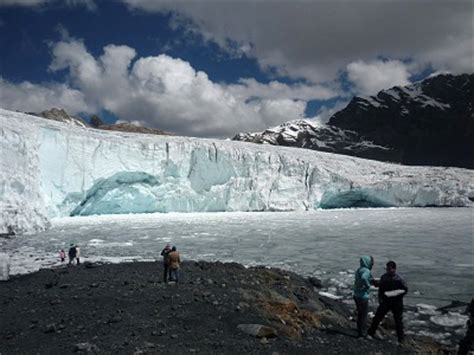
<point x="49" y="169"/>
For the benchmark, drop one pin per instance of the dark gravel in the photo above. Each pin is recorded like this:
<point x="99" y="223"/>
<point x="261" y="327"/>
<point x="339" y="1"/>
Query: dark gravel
<point x="126" y="309"/>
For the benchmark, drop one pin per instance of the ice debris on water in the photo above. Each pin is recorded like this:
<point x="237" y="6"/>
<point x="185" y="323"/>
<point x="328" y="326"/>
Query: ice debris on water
<point x="426" y="309"/>
<point x="450" y="319"/>
<point x="329" y="295"/>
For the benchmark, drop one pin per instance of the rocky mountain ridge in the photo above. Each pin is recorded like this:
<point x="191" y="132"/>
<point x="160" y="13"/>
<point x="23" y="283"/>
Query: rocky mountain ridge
<point x="60" y="115"/>
<point x="430" y="122"/>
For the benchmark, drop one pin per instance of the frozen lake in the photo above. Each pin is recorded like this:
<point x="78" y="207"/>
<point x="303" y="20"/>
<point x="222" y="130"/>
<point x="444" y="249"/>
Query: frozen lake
<point x="433" y="247"/>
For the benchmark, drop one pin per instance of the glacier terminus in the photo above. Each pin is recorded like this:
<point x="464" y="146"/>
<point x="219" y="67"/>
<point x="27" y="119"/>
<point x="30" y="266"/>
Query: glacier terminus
<point x="50" y="169"/>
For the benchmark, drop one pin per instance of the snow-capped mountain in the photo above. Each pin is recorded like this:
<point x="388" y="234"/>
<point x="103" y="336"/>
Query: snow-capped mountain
<point x="51" y="169"/>
<point x="325" y="138"/>
<point x="428" y="123"/>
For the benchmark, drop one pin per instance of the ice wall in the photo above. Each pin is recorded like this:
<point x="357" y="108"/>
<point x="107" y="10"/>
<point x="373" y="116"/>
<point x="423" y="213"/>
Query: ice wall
<point x="54" y="169"/>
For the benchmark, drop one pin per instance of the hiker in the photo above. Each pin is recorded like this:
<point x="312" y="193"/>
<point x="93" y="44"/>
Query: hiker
<point x="62" y="255"/>
<point x="174" y="263"/>
<point x="362" y="283"/>
<point x="392" y="288"/>
<point x="78" y="254"/>
<point x="72" y="253"/>
<point x="164" y="254"/>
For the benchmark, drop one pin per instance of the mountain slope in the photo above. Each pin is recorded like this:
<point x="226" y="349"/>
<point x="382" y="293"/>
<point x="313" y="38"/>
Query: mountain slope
<point x="428" y="123"/>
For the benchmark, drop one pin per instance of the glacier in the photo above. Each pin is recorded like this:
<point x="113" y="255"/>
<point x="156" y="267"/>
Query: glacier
<point x="49" y="169"/>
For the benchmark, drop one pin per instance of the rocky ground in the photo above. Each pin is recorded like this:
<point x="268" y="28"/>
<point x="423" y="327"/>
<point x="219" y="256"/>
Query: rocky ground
<point x="216" y="309"/>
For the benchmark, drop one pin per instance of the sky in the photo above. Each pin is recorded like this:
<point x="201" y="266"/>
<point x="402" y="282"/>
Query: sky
<point x="217" y="68"/>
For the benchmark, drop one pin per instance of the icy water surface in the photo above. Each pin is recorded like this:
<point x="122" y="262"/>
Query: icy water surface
<point x="432" y="246"/>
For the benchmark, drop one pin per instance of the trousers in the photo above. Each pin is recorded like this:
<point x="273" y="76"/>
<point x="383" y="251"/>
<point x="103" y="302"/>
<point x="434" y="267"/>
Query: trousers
<point x="362" y="310"/>
<point x="384" y="307"/>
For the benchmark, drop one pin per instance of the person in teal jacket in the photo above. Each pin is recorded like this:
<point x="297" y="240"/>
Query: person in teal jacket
<point x="363" y="280"/>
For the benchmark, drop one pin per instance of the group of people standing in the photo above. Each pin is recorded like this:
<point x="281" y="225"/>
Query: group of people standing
<point x="171" y="264"/>
<point x="391" y="289"/>
<point x="74" y="254"/>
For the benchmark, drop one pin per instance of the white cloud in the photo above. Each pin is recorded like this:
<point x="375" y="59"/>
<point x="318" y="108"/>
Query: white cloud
<point x="249" y="87"/>
<point x="325" y="112"/>
<point x="316" y="40"/>
<point x="35" y="98"/>
<point x="370" y="78"/>
<point x="26" y="3"/>
<point x="161" y="91"/>
<point x="88" y="4"/>
<point x="133" y="123"/>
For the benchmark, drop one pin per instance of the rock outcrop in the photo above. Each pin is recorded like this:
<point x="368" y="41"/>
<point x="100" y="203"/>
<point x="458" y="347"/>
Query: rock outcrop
<point x="428" y="123"/>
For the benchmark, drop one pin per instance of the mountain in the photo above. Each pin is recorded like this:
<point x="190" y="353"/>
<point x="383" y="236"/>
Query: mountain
<point x="60" y="115"/>
<point x="51" y="169"/>
<point x="325" y="138"/>
<point x="427" y="123"/>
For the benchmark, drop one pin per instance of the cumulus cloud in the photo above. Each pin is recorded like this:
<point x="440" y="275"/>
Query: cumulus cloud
<point x="249" y="87"/>
<point x="161" y="91"/>
<point x="370" y="78"/>
<point x="35" y="98"/>
<point x="316" y="40"/>
<point x="88" y="4"/>
<point x="325" y="112"/>
<point x="26" y="3"/>
<point x="133" y="123"/>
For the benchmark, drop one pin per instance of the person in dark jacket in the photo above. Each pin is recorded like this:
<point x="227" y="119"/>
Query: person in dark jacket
<point x="164" y="254"/>
<point x="72" y="252"/>
<point x="363" y="280"/>
<point x="392" y="288"/>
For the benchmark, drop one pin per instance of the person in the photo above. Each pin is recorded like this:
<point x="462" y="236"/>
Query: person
<point x="78" y="254"/>
<point x="62" y="255"/>
<point x="72" y="253"/>
<point x="174" y="264"/>
<point x="392" y="288"/>
<point x="164" y="254"/>
<point x="363" y="281"/>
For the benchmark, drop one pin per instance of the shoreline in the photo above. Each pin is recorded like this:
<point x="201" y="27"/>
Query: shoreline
<point x="127" y="308"/>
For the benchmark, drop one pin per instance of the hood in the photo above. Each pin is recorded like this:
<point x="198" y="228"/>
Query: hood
<point x="366" y="261"/>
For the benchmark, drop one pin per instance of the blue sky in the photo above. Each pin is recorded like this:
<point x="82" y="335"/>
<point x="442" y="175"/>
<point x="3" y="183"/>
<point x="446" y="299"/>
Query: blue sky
<point x="219" y="68"/>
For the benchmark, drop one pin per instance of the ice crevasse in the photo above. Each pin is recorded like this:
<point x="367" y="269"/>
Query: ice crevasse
<point x="50" y="169"/>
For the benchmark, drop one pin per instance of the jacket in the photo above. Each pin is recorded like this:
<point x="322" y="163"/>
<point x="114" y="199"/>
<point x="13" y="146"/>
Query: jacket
<point x="174" y="260"/>
<point x="363" y="278"/>
<point x="72" y="252"/>
<point x="164" y="253"/>
<point x="389" y="282"/>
